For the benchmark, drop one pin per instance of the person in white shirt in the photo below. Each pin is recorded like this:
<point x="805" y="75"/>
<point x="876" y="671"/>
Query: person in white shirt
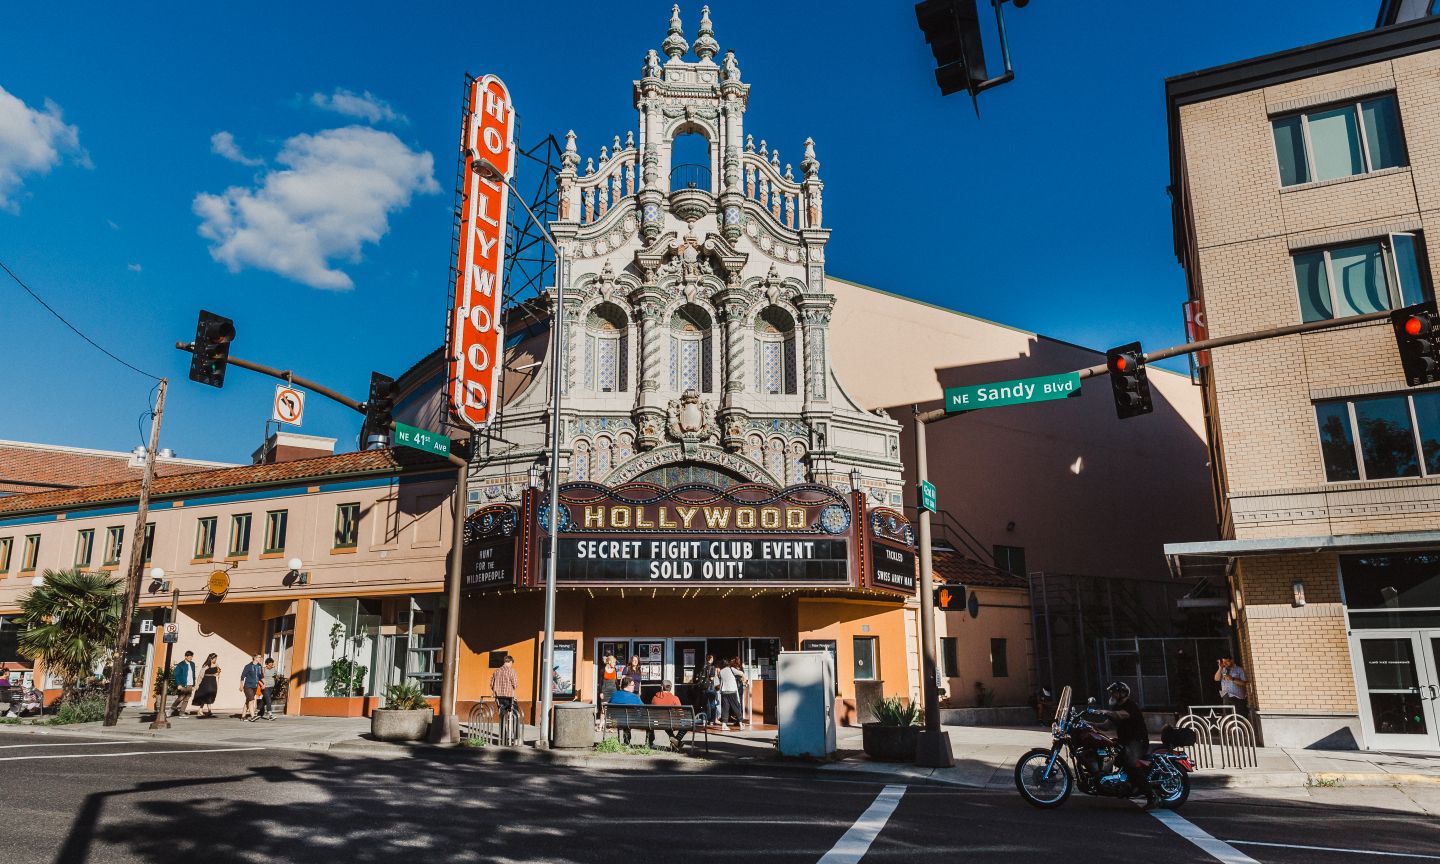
<point x="732" y="678"/>
<point x="1232" y="685"/>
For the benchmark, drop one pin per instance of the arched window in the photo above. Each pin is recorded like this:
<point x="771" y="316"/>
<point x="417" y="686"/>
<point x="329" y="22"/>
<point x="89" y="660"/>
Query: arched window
<point x="624" y="447"/>
<point x="690" y="350"/>
<point x="607" y="349"/>
<point x="689" y="160"/>
<point x="755" y="449"/>
<point x="603" y="459"/>
<point x="775" y="459"/>
<point x="580" y="461"/>
<point x="797" y="462"/>
<point x="775" y="351"/>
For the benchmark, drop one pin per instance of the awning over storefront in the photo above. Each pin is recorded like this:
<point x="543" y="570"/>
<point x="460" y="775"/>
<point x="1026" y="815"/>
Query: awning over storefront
<point x="1212" y="557"/>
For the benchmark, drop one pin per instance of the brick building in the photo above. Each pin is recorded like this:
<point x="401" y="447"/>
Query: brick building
<point x="1306" y="186"/>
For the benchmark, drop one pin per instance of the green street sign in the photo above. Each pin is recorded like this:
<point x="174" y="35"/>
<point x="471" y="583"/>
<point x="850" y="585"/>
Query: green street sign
<point x="1021" y="392"/>
<point x="927" y="496"/>
<point x="409" y="436"/>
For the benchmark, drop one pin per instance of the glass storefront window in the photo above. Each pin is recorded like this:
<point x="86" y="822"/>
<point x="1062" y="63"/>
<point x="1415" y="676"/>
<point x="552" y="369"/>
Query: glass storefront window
<point x="360" y="646"/>
<point x="866" y="668"/>
<point x="1391" y="581"/>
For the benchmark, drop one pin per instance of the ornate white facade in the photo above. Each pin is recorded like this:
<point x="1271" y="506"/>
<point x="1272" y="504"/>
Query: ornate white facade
<point x="696" y="313"/>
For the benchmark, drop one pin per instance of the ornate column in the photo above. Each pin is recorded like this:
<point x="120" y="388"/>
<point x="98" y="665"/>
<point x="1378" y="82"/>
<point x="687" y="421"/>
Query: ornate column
<point x="649" y="413"/>
<point x="815" y="320"/>
<point x="733" y="418"/>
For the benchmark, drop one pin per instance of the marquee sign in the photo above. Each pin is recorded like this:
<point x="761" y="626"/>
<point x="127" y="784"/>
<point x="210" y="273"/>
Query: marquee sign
<point x="891" y="543"/>
<point x="475" y="340"/>
<point x="697" y="535"/>
<point x="488" y="558"/>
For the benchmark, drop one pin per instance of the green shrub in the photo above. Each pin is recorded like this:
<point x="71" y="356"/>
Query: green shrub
<point x="613" y="745"/>
<point x="405" y="697"/>
<point x="87" y="707"/>
<point x="892" y="711"/>
<point x="472" y="741"/>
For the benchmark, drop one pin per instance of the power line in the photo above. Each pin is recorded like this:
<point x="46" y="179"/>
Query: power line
<point x="52" y="311"/>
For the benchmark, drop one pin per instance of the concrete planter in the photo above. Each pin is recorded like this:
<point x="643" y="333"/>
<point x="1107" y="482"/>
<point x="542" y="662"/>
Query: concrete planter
<point x="889" y="743"/>
<point x="1023" y="715"/>
<point x="386" y="725"/>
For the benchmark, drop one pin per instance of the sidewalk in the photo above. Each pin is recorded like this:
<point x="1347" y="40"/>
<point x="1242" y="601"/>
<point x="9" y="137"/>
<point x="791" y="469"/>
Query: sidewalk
<point x="985" y="757"/>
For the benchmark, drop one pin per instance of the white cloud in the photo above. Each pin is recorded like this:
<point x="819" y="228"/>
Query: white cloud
<point x="223" y="144"/>
<point x="337" y="193"/>
<point x="366" y="106"/>
<point x="134" y="268"/>
<point x="32" y="142"/>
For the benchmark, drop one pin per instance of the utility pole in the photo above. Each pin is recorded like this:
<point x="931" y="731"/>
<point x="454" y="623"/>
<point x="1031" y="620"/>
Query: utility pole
<point x="933" y="749"/>
<point x="161" y="721"/>
<point x="137" y="561"/>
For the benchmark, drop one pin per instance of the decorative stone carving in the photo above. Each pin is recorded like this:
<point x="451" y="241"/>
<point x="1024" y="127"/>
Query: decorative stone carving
<point x="675" y="45"/>
<point x="705" y="45"/>
<point x="652" y="65"/>
<point x="732" y="462"/>
<point x="691" y="419"/>
<point x="730" y="70"/>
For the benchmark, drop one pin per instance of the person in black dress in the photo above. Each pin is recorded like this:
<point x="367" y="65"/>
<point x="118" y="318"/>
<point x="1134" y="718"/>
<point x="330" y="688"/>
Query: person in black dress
<point x="209" y="686"/>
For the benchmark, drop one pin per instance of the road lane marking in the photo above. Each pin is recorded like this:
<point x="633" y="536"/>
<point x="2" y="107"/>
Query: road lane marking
<point x="68" y="744"/>
<point x="1333" y="849"/>
<point x="129" y="753"/>
<point x="851" y="847"/>
<point x="1217" y="849"/>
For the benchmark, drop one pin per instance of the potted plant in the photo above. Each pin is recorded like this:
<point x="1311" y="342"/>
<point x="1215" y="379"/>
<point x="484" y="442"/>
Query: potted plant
<point x="405" y="717"/>
<point x="894" y="734"/>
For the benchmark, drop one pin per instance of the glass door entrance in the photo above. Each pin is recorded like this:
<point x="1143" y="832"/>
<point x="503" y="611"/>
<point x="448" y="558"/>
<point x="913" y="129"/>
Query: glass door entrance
<point x="1399" y="682"/>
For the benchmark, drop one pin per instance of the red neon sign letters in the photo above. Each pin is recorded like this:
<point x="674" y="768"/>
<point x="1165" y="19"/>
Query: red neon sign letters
<point x="476" y="331"/>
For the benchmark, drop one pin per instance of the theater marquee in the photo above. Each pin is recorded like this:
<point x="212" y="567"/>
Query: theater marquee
<point x="698" y="535"/>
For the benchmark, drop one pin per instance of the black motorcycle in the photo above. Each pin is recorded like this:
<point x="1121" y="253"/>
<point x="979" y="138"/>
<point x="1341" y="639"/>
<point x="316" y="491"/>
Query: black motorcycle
<point x="1045" y="778"/>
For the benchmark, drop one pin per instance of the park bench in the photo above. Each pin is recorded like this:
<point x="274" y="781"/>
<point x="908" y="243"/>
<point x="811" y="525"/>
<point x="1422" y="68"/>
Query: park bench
<point x="652" y="718"/>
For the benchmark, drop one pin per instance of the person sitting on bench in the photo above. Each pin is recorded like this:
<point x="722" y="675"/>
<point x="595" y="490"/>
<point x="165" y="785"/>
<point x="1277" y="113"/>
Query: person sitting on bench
<point x="626" y="696"/>
<point x="666" y="698"/>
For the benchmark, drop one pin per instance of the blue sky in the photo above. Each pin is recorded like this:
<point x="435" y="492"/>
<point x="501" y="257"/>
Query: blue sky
<point x="139" y="153"/>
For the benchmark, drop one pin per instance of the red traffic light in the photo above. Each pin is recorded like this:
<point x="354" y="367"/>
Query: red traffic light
<point x="1417" y="325"/>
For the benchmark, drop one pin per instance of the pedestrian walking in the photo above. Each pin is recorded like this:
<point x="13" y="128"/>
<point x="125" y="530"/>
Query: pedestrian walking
<point x="729" y="696"/>
<point x="711" y="674"/>
<point x="270" y="685"/>
<point x="185" y="679"/>
<point x="609" y="674"/>
<point x="250" y="678"/>
<point x="208" y="688"/>
<point x="503" y="684"/>
<point x="1233" y="690"/>
<point x="742" y="687"/>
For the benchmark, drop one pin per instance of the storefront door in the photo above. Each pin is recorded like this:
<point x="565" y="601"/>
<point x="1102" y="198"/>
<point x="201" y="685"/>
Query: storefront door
<point x="1399" y="687"/>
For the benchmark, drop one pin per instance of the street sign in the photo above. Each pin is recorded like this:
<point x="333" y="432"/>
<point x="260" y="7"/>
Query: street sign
<point x="420" y="439"/>
<point x="927" y="496"/>
<point x="476" y="338"/>
<point x="1021" y="392"/>
<point x="172" y="634"/>
<point x="218" y="583"/>
<point x="289" y="405"/>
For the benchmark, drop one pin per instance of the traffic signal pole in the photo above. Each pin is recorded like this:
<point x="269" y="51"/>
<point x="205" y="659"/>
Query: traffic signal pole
<point x="933" y="748"/>
<point x="116" y="695"/>
<point x="446" y="726"/>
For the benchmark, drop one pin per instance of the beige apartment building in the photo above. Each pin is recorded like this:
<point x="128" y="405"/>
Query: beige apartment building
<point x="1306" y="187"/>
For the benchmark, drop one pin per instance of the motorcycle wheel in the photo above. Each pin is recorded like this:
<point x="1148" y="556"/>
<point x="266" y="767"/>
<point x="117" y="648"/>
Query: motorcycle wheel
<point x="1172" y="791"/>
<point x="1035" y="789"/>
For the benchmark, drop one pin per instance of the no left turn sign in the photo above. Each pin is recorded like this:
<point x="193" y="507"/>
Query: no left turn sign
<point x="289" y="405"/>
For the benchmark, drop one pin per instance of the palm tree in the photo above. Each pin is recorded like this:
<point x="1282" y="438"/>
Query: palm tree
<point x="68" y="622"/>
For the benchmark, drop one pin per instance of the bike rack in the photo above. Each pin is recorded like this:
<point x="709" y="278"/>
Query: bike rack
<point x="1222" y="729"/>
<point x="483" y="722"/>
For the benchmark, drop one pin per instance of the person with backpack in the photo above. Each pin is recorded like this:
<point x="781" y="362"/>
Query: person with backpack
<point x="250" y="678"/>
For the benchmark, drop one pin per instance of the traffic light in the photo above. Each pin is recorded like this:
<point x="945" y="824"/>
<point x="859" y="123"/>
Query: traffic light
<point x="950" y="598"/>
<point x="1127" y="379"/>
<point x="378" y="407"/>
<point x="1417" y="334"/>
<point x="213" y="335"/>
<point x="952" y="29"/>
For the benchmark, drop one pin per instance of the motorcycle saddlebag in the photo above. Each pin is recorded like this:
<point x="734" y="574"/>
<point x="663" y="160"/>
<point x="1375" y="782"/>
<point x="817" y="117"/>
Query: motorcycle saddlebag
<point x="1172" y="737"/>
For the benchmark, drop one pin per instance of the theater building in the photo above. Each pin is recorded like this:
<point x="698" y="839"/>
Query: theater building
<point x="720" y="492"/>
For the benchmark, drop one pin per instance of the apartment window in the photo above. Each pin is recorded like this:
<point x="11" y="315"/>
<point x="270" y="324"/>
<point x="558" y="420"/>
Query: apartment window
<point x="1339" y="141"/>
<point x="1380" y="437"/>
<point x="275" y="530"/>
<point x="950" y="656"/>
<point x="240" y="535"/>
<point x="999" y="662"/>
<point x="32" y="553"/>
<point x="148" y="547"/>
<point x="1011" y="559"/>
<point x="6" y="544"/>
<point x="205" y="538"/>
<point x="114" y="541"/>
<point x="866" y="667"/>
<point x="1359" y="278"/>
<point x="84" y="547"/>
<point x="347" y="526"/>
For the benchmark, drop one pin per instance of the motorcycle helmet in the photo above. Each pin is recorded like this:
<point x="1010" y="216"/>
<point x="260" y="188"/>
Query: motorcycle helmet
<point x="1119" y="691"/>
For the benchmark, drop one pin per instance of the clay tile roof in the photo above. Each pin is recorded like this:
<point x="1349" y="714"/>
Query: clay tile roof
<point x="952" y="567"/>
<point x="364" y="462"/>
<point x="26" y="467"/>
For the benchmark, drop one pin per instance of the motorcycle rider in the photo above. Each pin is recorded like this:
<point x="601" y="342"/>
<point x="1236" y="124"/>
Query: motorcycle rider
<point x="1131" y="735"/>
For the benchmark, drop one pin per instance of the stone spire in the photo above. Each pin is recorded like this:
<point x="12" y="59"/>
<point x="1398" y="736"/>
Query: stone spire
<point x="705" y="45"/>
<point x="675" y="45"/>
<point x="810" y="165"/>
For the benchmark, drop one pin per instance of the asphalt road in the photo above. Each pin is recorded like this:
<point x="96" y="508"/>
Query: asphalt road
<point x="76" y="800"/>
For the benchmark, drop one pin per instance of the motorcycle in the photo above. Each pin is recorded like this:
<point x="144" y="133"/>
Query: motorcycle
<point x="1045" y="777"/>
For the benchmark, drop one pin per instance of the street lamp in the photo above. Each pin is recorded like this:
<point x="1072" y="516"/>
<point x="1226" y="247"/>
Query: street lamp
<point x="557" y="327"/>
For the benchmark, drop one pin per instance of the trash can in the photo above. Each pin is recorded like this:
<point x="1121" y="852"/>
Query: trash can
<point x="574" y="726"/>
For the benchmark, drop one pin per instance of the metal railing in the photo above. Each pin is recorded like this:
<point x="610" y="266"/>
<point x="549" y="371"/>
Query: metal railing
<point x="690" y="176"/>
<point x="492" y="724"/>
<point x="1220" y="731"/>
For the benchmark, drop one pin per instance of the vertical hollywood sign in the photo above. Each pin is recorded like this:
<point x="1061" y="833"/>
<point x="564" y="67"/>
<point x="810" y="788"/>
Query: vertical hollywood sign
<point x="476" y="337"/>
